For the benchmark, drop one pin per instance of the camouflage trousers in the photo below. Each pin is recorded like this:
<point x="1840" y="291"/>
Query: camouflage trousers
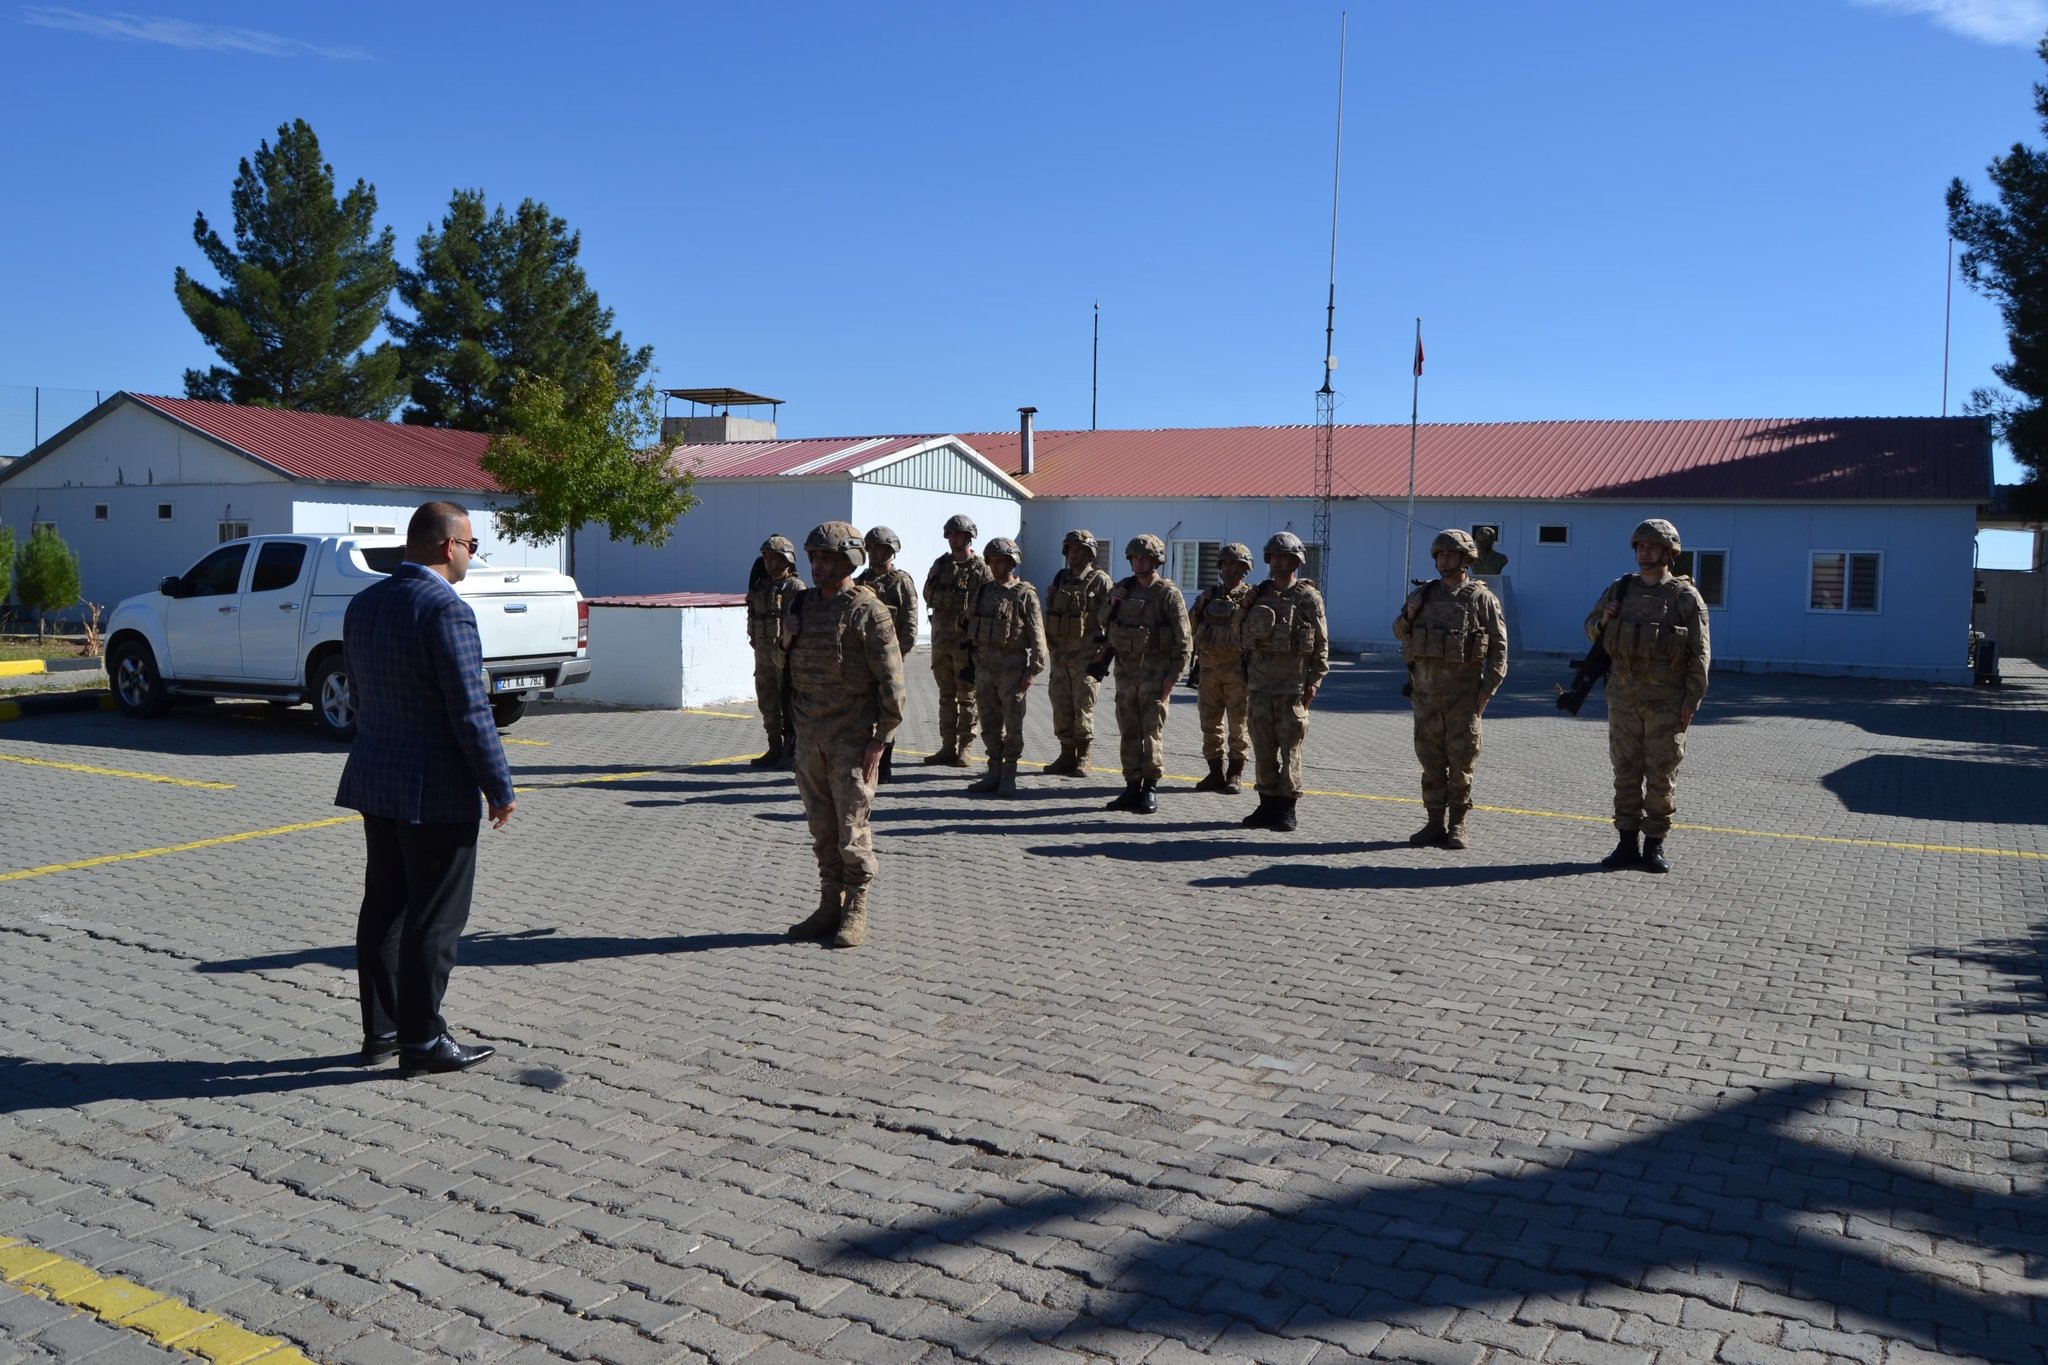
<point x="999" y="694"/>
<point x="1221" y="702"/>
<point x="837" y="802"/>
<point x="1279" y="724"/>
<point x="769" y="664"/>
<point x="1447" y="742"/>
<point x="1073" y="696"/>
<point x="1645" y="745"/>
<point x="1141" y="722"/>
<point x="956" y="698"/>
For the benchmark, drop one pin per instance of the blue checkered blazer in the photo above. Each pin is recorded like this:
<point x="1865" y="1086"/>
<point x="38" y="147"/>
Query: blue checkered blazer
<point x="425" y="742"/>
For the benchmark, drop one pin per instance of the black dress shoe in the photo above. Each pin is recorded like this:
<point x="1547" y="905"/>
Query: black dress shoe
<point x="443" y="1054"/>
<point x="380" y="1047"/>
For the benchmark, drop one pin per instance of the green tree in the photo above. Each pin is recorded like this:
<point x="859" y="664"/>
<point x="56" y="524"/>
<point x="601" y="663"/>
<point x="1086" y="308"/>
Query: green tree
<point x="574" y="465"/>
<point x="2005" y="258"/>
<point x="6" y="561"/>
<point x="45" y="574"/>
<point x="301" y="292"/>
<point x="495" y="296"/>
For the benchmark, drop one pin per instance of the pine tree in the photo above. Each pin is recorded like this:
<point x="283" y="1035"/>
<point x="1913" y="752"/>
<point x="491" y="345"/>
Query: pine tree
<point x="495" y="296"/>
<point x="46" y="574"/>
<point x="2005" y="258"/>
<point x="302" y="290"/>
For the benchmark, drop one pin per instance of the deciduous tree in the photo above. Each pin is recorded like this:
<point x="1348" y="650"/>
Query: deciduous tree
<point x="45" y="574"/>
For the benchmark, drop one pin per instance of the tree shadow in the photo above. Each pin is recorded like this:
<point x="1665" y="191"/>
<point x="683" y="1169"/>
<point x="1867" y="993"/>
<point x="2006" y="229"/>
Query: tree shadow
<point x="1202" y="851"/>
<point x="1322" y="877"/>
<point x="518" y="948"/>
<point x="28" y="1085"/>
<point x="2016" y="1057"/>
<point x="1735" y="1196"/>
<point x="1923" y="787"/>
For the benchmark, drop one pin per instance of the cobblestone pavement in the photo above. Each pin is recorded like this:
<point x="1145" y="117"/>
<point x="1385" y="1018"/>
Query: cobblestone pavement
<point x="1100" y="1087"/>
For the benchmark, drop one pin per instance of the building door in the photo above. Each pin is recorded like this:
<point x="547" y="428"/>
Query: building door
<point x="202" y="623"/>
<point x="271" y="611"/>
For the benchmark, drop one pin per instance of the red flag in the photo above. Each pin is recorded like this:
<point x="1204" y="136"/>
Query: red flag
<point x="1418" y="355"/>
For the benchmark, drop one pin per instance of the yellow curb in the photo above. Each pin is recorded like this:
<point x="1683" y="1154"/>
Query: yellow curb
<point x="23" y="668"/>
<point x="21" y="1259"/>
<point x="61" y="1279"/>
<point x="117" y="772"/>
<point x="226" y="1344"/>
<point x="81" y="864"/>
<point x="532" y="743"/>
<point x="722" y="715"/>
<point x="116" y="1299"/>
<point x="168" y="1321"/>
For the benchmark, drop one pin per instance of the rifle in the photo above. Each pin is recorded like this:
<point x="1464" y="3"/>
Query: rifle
<point x="1408" y="688"/>
<point x="796" y="613"/>
<point x="967" y="669"/>
<point x="1194" y="678"/>
<point x="1596" y="665"/>
<point x="1099" y="669"/>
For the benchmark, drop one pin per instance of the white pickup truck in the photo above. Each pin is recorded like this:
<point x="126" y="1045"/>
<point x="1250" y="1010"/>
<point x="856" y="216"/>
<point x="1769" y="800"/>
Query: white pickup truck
<point x="261" y="617"/>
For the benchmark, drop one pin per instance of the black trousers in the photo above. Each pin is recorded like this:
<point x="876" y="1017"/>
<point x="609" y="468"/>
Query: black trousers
<point x="416" y="890"/>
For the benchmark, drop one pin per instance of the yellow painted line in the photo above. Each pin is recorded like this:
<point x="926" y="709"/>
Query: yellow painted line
<point x="726" y="715"/>
<point x="530" y="743"/>
<point x="22" y="668"/>
<point x="123" y="1303"/>
<point x="589" y="781"/>
<point x="117" y="772"/>
<point x="103" y="860"/>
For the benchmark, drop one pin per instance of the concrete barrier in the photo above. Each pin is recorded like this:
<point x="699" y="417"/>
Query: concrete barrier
<point x="668" y="650"/>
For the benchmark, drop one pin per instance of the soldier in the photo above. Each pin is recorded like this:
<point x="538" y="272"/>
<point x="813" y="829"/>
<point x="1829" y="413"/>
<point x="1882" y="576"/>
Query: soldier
<point x="1286" y="640"/>
<point x="952" y="580"/>
<point x="1008" y="641"/>
<point x="1220" y="692"/>
<point x="1456" y="642"/>
<point x="846" y="687"/>
<point x="1147" y="634"/>
<point x="898" y="592"/>
<point x="768" y="598"/>
<point x="1076" y="607"/>
<point x="1653" y="624"/>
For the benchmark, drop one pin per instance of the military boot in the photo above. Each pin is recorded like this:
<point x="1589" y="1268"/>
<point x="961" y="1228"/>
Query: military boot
<point x="1282" y="818"/>
<point x="1006" y="778"/>
<point x="1627" y="853"/>
<point x="1064" y="765"/>
<point x="1432" y="833"/>
<point x="1262" y="817"/>
<point x="1148" y="797"/>
<point x="1454" y="837"/>
<point x="771" y="759"/>
<point x="1081" y="756"/>
<point x="853" y="920"/>
<point x="989" y="780"/>
<point x="1129" y="799"/>
<point x="825" y="919"/>
<point x="1653" y="856"/>
<point x="1231" y="785"/>
<point x="948" y="757"/>
<point x="1214" y="781"/>
<point x="964" y="756"/>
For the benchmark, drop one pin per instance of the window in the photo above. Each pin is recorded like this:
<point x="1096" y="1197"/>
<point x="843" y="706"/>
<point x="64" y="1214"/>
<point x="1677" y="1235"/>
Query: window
<point x="163" y="511"/>
<point x="1708" y="570"/>
<point x="232" y="530"/>
<point x="1553" y="533"/>
<point x="1844" y="581"/>
<point x="365" y="529"/>
<point x="381" y="558"/>
<point x="99" y="511"/>
<point x="217" y="575"/>
<point x="277" y="565"/>
<point x="1192" y="564"/>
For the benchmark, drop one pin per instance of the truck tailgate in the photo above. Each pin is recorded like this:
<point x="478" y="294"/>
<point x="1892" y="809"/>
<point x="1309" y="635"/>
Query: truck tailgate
<point x="522" y="613"/>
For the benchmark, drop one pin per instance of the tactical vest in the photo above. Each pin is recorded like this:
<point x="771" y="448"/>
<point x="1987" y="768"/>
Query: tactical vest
<point x="765" y="607"/>
<point x="1446" y="628"/>
<point x="1135" y="622"/>
<point x="829" y="654"/>
<point x="949" y="587"/>
<point x="1649" y="633"/>
<point x="998" y="620"/>
<point x="1277" y="622"/>
<point x="1066" y="605"/>
<point x="1216" y="623"/>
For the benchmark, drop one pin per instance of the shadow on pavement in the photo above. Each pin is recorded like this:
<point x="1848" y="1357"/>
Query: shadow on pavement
<point x="1960" y="790"/>
<point x="1202" y="850"/>
<point x="519" y="948"/>
<point x="2019" y="1056"/>
<point x="27" y="1085"/>
<point x="1318" y="877"/>
<point x="1737" y="1195"/>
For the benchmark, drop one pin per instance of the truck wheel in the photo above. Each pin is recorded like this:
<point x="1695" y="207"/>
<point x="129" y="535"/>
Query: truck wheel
<point x="506" y="710"/>
<point x="334" y="703"/>
<point x="133" y="678"/>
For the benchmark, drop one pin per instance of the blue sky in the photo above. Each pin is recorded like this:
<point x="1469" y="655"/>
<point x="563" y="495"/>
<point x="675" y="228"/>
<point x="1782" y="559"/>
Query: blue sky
<point x="898" y="215"/>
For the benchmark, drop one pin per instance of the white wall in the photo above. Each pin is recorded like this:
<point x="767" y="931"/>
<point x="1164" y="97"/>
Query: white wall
<point x="134" y="444"/>
<point x="668" y="657"/>
<point x="919" y="517"/>
<point x="715" y="543"/>
<point x="1919" y="631"/>
<point x="338" y="510"/>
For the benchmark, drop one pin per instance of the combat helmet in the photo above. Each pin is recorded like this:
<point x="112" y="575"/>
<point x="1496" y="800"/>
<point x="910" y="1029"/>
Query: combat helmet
<point x="1085" y="539"/>
<point x="884" y="537"/>
<point x="1657" y="531"/>
<point x="1455" y="540"/>
<point x="1236" y="552"/>
<point x="838" y="537"/>
<point x="779" y="545"/>
<point x="962" y="524"/>
<point x="1149" y="545"/>
<point x="1006" y="547"/>
<point x="1286" y="543"/>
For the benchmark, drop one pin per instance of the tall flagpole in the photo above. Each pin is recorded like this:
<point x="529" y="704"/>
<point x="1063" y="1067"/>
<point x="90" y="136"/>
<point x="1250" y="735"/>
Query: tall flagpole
<point x="1414" y="409"/>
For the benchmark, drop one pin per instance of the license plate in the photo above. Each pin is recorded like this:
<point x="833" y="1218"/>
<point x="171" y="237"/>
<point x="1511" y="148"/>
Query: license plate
<point x="521" y="683"/>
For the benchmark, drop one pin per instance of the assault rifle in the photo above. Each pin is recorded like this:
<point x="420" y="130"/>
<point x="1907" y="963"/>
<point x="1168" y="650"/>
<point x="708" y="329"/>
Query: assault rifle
<point x="1596" y="665"/>
<point x="1099" y="669"/>
<point x="967" y="669"/>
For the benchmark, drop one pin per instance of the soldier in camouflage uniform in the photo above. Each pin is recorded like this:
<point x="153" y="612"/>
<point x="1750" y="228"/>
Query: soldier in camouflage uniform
<point x="951" y="580"/>
<point x="767" y="600"/>
<point x="1148" y="630"/>
<point x="1456" y="642"/>
<point x="846" y="687"/>
<point x="1653" y="624"/>
<point x="1076" y="606"/>
<point x="898" y="592"/>
<point x="1286" y="641"/>
<point x="1220" y="691"/>
<point x="1003" y="625"/>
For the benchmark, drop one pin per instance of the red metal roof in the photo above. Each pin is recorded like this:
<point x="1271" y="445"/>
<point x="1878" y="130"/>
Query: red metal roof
<point x="1921" y="459"/>
<point x="810" y="455"/>
<point x="338" y="449"/>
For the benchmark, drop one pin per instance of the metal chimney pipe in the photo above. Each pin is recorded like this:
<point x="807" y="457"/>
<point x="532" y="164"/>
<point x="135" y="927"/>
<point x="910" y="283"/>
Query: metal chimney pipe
<point x="1027" y="456"/>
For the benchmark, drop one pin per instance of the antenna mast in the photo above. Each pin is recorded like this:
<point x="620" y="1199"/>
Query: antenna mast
<point x="1326" y="396"/>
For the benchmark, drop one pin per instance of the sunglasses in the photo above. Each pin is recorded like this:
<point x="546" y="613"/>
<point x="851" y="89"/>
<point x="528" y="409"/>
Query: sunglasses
<point x="469" y="545"/>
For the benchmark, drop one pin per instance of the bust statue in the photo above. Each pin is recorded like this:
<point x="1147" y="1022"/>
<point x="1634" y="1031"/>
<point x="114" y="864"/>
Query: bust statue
<point x="1490" y="561"/>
